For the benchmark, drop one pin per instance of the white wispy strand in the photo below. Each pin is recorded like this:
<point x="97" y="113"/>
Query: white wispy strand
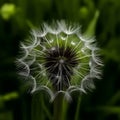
<point x="68" y="29"/>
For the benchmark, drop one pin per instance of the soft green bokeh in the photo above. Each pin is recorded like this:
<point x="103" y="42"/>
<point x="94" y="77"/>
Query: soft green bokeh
<point x="7" y="11"/>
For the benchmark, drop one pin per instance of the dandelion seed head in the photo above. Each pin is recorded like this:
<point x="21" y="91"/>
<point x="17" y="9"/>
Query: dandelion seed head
<point x="58" y="58"/>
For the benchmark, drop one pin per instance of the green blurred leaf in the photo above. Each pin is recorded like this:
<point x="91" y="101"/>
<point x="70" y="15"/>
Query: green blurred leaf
<point x="109" y="109"/>
<point x="7" y="10"/>
<point x="114" y="99"/>
<point x="9" y="96"/>
<point x="90" y="31"/>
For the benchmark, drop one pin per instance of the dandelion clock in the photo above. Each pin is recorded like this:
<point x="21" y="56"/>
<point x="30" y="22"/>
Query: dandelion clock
<point x="57" y="58"/>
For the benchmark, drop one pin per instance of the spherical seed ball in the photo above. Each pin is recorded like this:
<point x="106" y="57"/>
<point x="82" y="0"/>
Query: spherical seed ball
<point x="59" y="58"/>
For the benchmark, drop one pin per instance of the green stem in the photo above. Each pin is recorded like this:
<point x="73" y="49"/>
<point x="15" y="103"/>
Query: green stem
<point x="77" y="109"/>
<point x="64" y="109"/>
<point x="58" y="107"/>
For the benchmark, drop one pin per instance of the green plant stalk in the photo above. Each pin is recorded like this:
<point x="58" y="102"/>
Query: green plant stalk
<point x="77" y="109"/>
<point x="64" y="109"/>
<point x="58" y="104"/>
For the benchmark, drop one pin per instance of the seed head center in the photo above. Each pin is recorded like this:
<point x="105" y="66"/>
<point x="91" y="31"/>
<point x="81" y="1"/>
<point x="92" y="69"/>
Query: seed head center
<point x="61" y="61"/>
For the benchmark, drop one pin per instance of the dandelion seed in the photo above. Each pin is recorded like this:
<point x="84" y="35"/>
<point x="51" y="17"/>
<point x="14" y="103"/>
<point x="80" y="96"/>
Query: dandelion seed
<point x="58" y="59"/>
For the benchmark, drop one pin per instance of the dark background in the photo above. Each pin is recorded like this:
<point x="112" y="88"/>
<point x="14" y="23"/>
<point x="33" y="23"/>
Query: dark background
<point x="16" y="19"/>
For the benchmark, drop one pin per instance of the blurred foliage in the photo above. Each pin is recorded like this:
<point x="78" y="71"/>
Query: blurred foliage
<point x="16" y="19"/>
<point x="7" y="10"/>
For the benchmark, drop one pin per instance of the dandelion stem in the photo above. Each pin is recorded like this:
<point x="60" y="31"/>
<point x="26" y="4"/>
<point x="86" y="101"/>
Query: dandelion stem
<point x="77" y="109"/>
<point x="58" y="107"/>
<point x="64" y="109"/>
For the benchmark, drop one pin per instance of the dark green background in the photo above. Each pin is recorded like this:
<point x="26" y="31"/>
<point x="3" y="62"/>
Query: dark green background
<point x="103" y="103"/>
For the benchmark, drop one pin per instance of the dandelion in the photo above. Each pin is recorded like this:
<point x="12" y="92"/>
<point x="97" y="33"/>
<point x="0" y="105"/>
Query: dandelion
<point x="59" y="59"/>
